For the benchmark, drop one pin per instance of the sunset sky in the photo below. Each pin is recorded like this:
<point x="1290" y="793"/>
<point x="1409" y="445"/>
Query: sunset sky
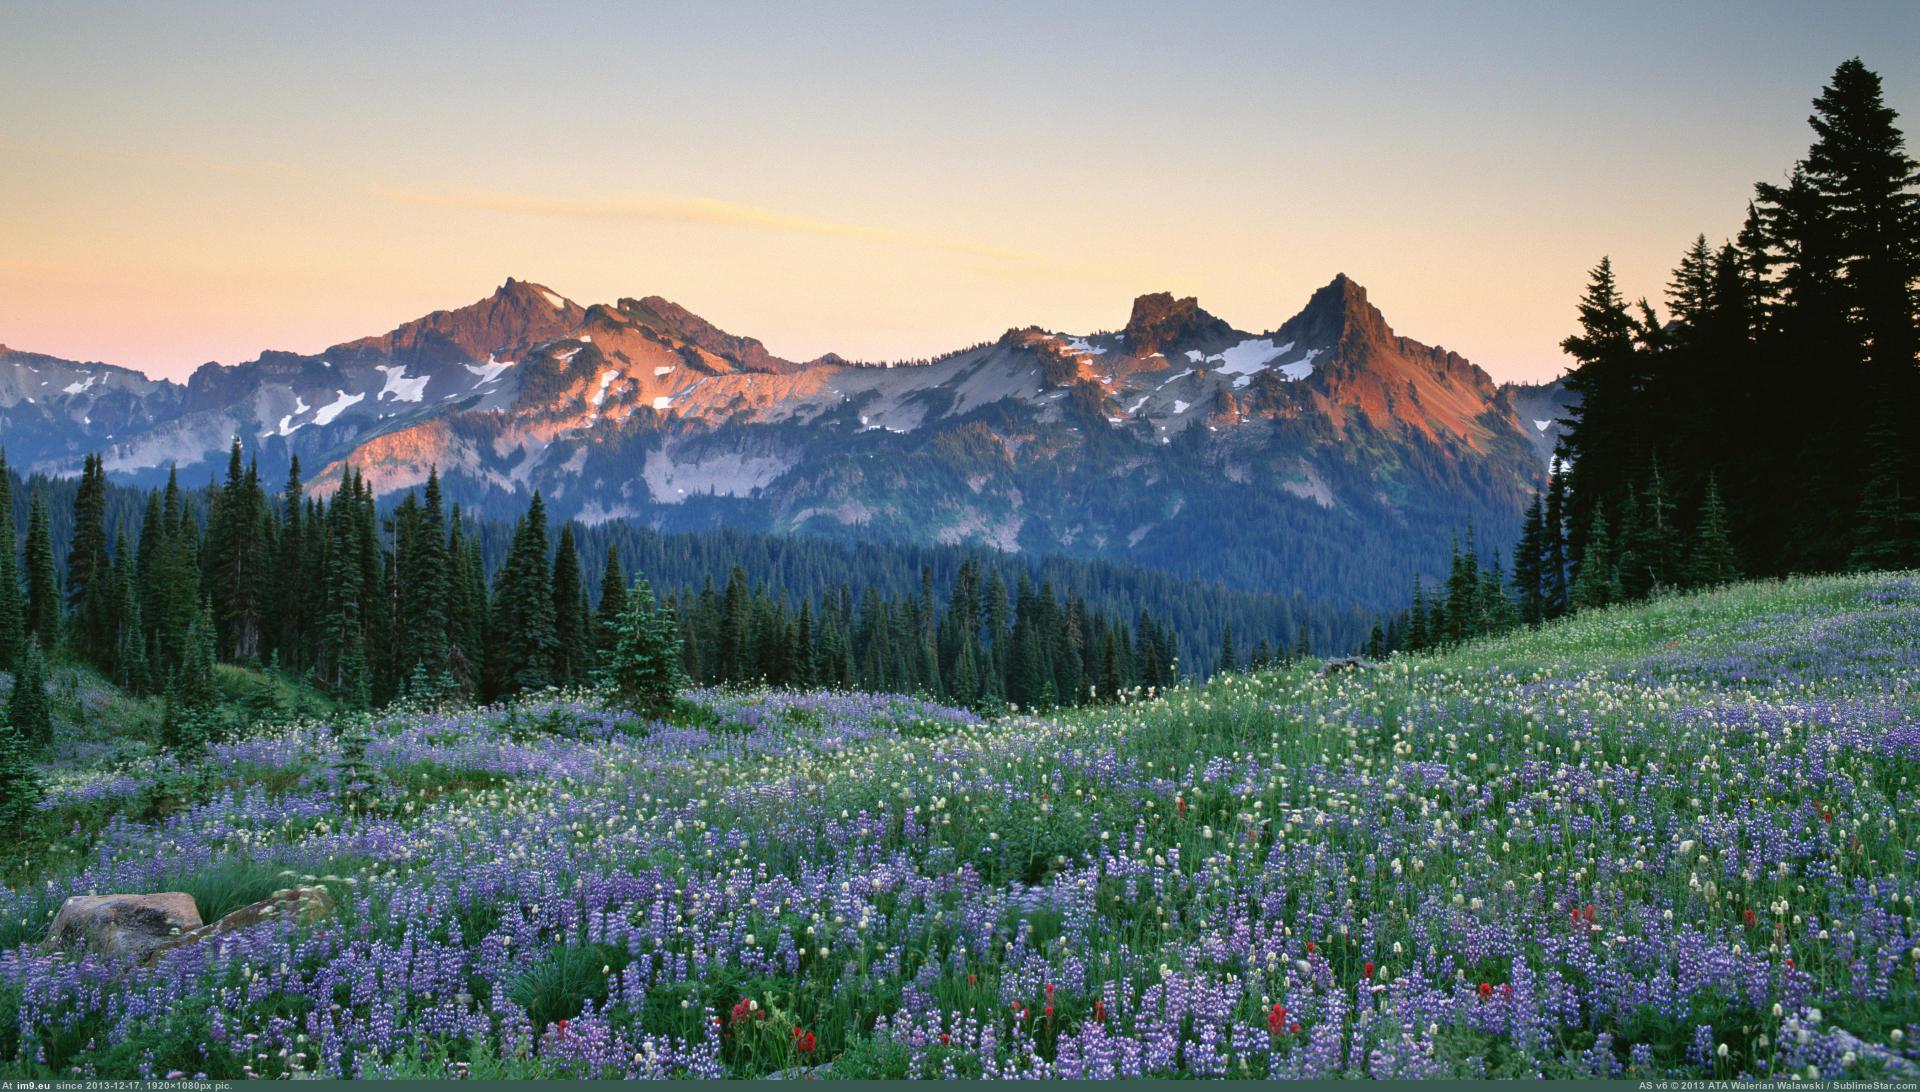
<point x="182" y="183"/>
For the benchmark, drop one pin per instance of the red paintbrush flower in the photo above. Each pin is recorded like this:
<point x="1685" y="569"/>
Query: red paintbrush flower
<point x="1486" y="990"/>
<point x="1276" y="1018"/>
<point x="1099" y="1012"/>
<point x="560" y="1028"/>
<point x="1367" y="972"/>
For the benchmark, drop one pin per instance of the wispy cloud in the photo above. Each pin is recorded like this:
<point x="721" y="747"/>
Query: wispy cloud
<point x="675" y="209"/>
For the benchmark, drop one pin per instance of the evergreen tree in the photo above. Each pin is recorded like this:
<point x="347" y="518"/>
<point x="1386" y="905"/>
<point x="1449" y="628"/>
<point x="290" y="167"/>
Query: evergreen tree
<point x="425" y="587"/>
<point x="1529" y="563"/>
<point x="466" y="607"/>
<point x="1595" y="579"/>
<point x="90" y="591"/>
<point x="27" y="708"/>
<point x="130" y="660"/>
<point x="613" y="605"/>
<point x="1228" y="661"/>
<point x="13" y="622"/>
<point x="1886" y="531"/>
<point x="521" y="624"/>
<point x="173" y="581"/>
<point x="342" y="665"/>
<point x="290" y="589"/>
<point x="1603" y="428"/>
<point x="803" y="657"/>
<point x="186" y="724"/>
<point x="1419" y="638"/>
<point x="43" y="590"/>
<point x="1713" y="562"/>
<point x="20" y="788"/>
<point x="644" y="670"/>
<point x="573" y="651"/>
<point x="1553" y="583"/>
<point x="1656" y="543"/>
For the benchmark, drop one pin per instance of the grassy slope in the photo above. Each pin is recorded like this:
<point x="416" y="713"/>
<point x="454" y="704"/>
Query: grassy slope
<point x="1584" y="814"/>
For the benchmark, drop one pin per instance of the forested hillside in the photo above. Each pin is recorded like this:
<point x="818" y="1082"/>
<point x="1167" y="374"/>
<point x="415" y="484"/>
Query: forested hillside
<point x="370" y="602"/>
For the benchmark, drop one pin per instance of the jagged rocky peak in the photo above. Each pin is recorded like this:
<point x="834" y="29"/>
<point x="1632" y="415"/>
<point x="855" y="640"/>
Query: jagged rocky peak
<point x="1160" y="322"/>
<point x="1338" y="313"/>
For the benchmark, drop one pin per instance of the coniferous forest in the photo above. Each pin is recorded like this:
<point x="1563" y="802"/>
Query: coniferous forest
<point x="1767" y="423"/>
<point x="371" y="603"/>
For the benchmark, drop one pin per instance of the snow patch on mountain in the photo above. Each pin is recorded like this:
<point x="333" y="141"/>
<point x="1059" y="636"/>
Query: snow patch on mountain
<point x="489" y="371"/>
<point x="79" y="386"/>
<point x="554" y="298"/>
<point x="337" y="407"/>
<point x="287" y="427"/>
<point x="1302" y="368"/>
<point x="399" y="387"/>
<point x="1250" y="356"/>
<point x="606" y="380"/>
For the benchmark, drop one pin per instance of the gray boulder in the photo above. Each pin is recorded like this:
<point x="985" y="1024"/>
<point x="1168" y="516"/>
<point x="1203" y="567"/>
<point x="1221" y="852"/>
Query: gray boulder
<point x="132" y="926"/>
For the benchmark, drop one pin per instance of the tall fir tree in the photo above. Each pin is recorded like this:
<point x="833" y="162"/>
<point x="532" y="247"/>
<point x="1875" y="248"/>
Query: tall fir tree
<point x="521" y="632"/>
<point x="1595" y="578"/>
<point x="573" y="650"/>
<point x="20" y="787"/>
<point x="1712" y="562"/>
<point x="90" y="591"/>
<point x="28" y="710"/>
<point x="613" y="604"/>
<point x="290" y="589"/>
<point x="13" y="619"/>
<point x="43" y="589"/>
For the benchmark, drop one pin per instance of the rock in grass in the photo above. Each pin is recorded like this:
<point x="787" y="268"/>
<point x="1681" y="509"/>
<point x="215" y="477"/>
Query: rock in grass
<point x="1346" y="663"/>
<point x="123" y="925"/>
<point x="293" y="903"/>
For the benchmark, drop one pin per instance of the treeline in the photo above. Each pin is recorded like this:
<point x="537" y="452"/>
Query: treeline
<point x="372" y="606"/>
<point x="792" y="568"/>
<point x="1650" y="552"/>
<point x="980" y="646"/>
<point x="1782" y="380"/>
<point x="1770" y="424"/>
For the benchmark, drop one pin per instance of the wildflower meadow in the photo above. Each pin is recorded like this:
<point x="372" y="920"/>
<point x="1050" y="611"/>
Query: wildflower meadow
<point x="1679" y="840"/>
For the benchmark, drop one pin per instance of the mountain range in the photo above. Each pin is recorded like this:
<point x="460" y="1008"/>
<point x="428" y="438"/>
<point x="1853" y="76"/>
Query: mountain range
<point x="1324" y="455"/>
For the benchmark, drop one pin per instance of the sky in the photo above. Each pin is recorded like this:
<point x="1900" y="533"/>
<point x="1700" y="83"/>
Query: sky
<point x="190" y="182"/>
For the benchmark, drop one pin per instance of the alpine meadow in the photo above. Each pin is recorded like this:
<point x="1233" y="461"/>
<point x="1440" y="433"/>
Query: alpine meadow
<point x="550" y="689"/>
